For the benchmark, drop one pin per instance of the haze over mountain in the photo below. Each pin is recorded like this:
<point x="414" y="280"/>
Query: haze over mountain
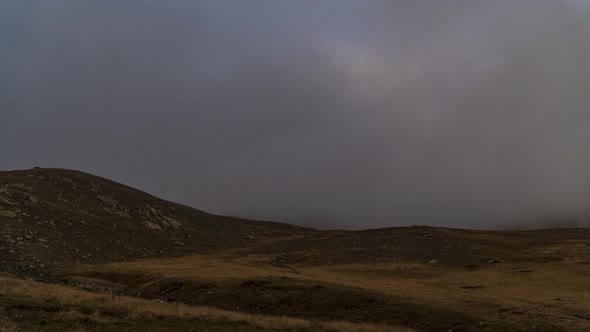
<point x="340" y="114"/>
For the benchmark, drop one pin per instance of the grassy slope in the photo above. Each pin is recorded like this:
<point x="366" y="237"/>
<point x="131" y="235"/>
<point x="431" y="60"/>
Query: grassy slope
<point x="33" y="306"/>
<point x="525" y="294"/>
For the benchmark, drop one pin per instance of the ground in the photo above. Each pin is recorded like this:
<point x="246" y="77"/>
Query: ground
<point x="79" y="252"/>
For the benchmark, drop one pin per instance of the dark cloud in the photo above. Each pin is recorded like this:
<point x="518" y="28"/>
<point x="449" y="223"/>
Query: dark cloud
<point x="345" y="113"/>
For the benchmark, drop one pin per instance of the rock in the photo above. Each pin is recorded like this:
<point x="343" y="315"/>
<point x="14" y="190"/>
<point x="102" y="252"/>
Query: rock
<point x="581" y="315"/>
<point x="433" y="261"/>
<point x="152" y="225"/>
<point x="32" y="198"/>
<point x="7" y="214"/>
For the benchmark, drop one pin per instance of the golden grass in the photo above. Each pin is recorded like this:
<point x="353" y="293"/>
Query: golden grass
<point x="139" y="308"/>
<point x="6" y="326"/>
<point x="550" y="289"/>
<point x="422" y="281"/>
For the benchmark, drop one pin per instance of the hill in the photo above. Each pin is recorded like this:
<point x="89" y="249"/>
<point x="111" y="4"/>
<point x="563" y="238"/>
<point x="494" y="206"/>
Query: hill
<point x="110" y="241"/>
<point x="53" y="217"/>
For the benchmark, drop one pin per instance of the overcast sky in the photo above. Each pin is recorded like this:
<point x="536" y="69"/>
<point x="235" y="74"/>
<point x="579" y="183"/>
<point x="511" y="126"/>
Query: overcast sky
<point x="326" y="113"/>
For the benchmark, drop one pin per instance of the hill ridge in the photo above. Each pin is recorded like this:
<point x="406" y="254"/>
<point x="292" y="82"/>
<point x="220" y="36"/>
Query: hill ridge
<point x="61" y="216"/>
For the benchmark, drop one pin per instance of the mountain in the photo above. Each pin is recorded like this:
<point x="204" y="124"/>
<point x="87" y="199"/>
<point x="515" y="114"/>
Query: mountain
<point x="68" y="229"/>
<point x="53" y="217"/>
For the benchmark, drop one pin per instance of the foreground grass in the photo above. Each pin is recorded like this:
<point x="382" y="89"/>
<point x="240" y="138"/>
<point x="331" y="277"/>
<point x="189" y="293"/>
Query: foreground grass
<point x="523" y="294"/>
<point x="28" y="305"/>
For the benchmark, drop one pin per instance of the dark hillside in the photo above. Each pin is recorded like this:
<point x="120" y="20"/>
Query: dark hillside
<point x="50" y="217"/>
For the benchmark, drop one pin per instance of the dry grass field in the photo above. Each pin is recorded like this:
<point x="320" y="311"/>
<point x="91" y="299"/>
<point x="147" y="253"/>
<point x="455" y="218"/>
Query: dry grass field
<point x="29" y="305"/>
<point x="528" y="295"/>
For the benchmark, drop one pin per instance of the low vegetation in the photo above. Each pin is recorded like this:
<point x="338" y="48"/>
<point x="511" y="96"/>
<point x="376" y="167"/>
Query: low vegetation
<point x="528" y="295"/>
<point x="136" y="262"/>
<point x="32" y="305"/>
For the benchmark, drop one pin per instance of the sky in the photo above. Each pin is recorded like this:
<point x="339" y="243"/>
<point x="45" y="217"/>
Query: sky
<point x="325" y="113"/>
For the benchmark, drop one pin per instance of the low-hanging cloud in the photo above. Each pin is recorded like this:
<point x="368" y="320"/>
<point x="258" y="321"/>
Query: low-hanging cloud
<point x="348" y="114"/>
